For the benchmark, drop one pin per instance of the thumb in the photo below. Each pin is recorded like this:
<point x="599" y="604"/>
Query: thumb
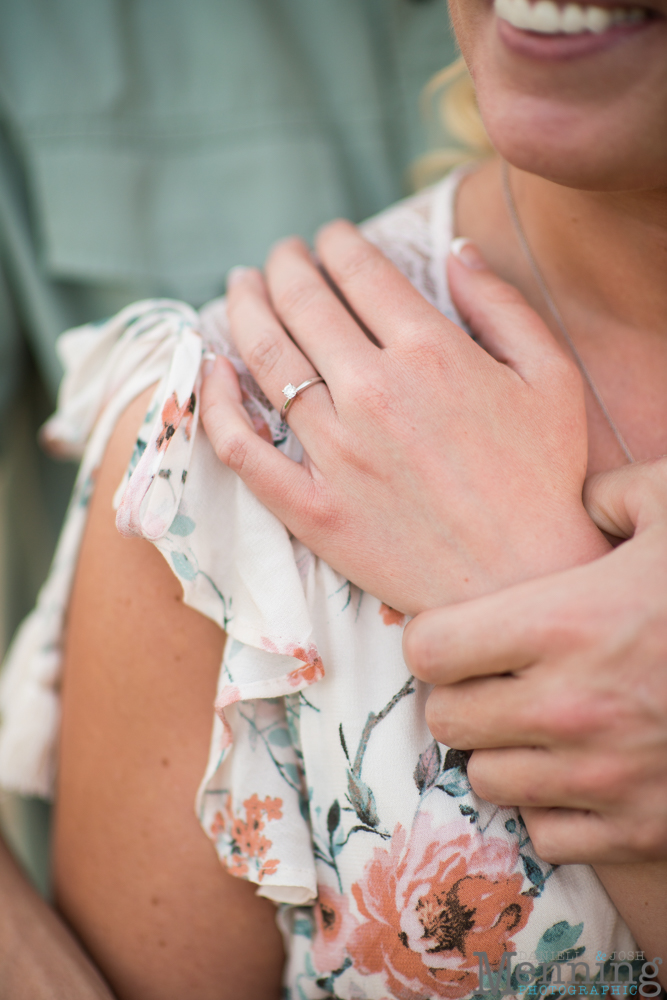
<point x="625" y="501"/>
<point x="500" y="318"/>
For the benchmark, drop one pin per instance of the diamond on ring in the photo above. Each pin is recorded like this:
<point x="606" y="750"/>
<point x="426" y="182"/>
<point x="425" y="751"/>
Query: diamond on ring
<point x="290" y="392"/>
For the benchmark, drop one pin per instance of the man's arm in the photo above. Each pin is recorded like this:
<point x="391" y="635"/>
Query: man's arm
<point x="39" y="957"/>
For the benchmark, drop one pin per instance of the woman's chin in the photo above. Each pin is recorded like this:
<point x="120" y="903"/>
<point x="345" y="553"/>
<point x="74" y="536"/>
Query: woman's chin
<point x="585" y="109"/>
<point x="575" y="168"/>
<point x="568" y="146"/>
<point x="595" y="141"/>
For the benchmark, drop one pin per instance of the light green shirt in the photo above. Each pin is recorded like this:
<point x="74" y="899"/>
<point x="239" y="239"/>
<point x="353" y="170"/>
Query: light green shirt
<point x="147" y="147"/>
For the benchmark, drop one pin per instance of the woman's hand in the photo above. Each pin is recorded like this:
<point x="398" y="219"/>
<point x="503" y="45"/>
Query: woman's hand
<point x="560" y="686"/>
<point x="436" y="469"/>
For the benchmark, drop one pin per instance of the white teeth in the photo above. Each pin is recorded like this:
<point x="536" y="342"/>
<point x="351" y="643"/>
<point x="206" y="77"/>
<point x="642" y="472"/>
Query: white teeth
<point x="597" y="19"/>
<point x="547" y="18"/>
<point x="521" y="11"/>
<point x="574" y="19"/>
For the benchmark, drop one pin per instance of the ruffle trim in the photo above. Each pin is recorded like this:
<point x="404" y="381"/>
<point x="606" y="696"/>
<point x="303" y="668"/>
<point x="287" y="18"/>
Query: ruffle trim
<point x="209" y="534"/>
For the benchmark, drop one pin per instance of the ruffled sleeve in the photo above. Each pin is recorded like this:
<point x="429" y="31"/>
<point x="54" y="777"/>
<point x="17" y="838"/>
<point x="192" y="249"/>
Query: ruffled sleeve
<point x="237" y="565"/>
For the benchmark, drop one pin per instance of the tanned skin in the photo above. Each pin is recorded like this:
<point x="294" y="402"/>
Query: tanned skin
<point x="135" y="875"/>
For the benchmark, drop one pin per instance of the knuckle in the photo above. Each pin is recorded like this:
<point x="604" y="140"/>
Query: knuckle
<point x="426" y="354"/>
<point x="295" y="296"/>
<point x="563" y="628"/>
<point x="233" y="452"/>
<point x="599" y="781"/>
<point x="373" y="397"/>
<point x="353" y="453"/>
<point x="264" y="355"/>
<point x="361" y="259"/>
<point x="321" y="513"/>
<point x="567" y="719"/>
<point x="587" y="716"/>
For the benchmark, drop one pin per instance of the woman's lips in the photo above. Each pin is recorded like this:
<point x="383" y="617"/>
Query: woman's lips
<point x="568" y="46"/>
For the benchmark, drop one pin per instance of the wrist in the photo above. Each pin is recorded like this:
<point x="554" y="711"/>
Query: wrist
<point x="572" y="541"/>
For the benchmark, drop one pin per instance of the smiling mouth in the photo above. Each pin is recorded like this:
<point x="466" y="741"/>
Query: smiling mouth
<point x="545" y="17"/>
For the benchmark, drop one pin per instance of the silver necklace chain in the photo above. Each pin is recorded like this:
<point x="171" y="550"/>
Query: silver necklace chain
<point x="555" y="312"/>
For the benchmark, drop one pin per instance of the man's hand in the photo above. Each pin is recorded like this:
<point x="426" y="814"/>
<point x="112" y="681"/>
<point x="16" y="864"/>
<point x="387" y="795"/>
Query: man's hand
<point x="560" y="686"/>
<point x="437" y="469"/>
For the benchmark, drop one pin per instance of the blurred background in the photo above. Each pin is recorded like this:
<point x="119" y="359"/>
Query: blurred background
<point x="147" y="146"/>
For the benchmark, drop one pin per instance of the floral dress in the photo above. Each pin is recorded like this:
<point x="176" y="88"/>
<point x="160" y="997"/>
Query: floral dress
<point x="323" y="786"/>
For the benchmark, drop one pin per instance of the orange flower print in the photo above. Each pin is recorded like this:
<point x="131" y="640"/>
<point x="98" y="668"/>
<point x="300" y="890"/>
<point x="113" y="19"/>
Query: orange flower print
<point x="390" y="616"/>
<point x="333" y="926"/>
<point x="172" y="415"/>
<point x="430" y="901"/>
<point x="312" y="669"/>
<point x="273" y="808"/>
<point x="218" y="825"/>
<point x="248" y="846"/>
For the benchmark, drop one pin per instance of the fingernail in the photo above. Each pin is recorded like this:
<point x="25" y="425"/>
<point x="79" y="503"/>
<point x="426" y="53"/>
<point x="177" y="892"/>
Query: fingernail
<point x="208" y="363"/>
<point x="466" y="251"/>
<point x="236" y="274"/>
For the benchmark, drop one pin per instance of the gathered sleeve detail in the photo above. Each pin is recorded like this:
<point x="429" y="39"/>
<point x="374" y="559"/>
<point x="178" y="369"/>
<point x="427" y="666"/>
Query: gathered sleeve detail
<point x="151" y="491"/>
<point x="237" y="565"/>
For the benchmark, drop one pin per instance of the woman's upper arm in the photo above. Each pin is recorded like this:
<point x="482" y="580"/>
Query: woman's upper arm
<point x="134" y="872"/>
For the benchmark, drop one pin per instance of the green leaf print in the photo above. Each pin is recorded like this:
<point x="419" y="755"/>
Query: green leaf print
<point x="183" y="566"/>
<point x="181" y="525"/>
<point x="559" y="938"/>
<point x="536" y="876"/>
<point x="280" y="737"/>
<point x="428" y="767"/>
<point x="457" y="785"/>
<point x="333" y="819"/>
<point x="362" y="799"/>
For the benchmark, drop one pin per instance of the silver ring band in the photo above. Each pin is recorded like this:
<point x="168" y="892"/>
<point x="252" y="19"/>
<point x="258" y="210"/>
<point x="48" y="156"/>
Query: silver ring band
<point x="290" y="392"/>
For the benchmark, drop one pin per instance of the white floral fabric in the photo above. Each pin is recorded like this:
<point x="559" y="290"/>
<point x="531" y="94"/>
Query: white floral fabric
<point x="324" y="785"/>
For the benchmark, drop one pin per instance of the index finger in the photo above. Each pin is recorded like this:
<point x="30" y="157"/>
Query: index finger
<point x="504" y="632"/>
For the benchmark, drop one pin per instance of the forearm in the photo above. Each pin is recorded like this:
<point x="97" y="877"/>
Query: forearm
<point x="39" y="957"/>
